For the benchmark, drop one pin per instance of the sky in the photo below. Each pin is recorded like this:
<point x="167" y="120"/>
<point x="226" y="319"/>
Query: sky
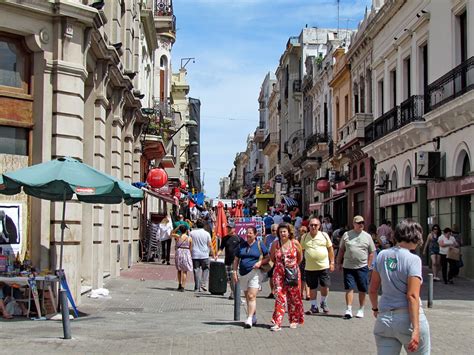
<point x="235" y="43"/>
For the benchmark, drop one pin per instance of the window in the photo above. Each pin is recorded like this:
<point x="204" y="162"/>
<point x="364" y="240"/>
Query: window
<point x="356" y="98"/>
<point x="393" y="84"/>
<point x="408" y="176"/>
<point x="466" y="166"/>
<point x="346" y="108"/>
<point x="394" y="183"/>
<point x="13" y="65"/>
<point x="362" y="170"/>
<point x="362" y="95"/>
<point x="338" y="117"/>
<point x="408" y="210"/>
<point x="359" y="204"/>
<point x="380" y="97"/>
<point x="354" y="172"/>
<point x="423" y="70"/>
<point x="461" y="40"/>
<point x="406" y="78"/>
<point x="13" y="140"/>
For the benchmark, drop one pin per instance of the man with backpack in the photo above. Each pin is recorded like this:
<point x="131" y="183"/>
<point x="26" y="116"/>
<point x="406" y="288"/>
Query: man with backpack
<point x="319" y="256"/>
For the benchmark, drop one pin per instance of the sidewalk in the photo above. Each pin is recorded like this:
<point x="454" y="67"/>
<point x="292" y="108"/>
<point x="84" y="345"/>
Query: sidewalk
<point x="146" y="315"/>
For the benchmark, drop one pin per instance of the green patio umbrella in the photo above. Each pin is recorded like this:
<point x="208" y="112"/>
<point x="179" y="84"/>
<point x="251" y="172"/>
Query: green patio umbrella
<point x="61" y="179"/>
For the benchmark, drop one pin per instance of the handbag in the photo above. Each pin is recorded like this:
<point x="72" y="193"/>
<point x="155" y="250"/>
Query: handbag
<point x="291" y="273"/>
<point x="454" y="254"/>
<point x="265" y="267"/>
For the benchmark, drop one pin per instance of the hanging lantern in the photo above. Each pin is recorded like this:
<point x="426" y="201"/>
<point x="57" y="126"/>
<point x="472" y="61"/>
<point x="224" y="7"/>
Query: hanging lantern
<point x="323" y="185"/>
<point x="157" y="178"/>
<point x="182" y="184"/>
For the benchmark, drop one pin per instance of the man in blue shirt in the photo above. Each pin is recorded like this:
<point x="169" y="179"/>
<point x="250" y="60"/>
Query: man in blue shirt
<point x="268" y="221"/>
<point x="269" y="239"/>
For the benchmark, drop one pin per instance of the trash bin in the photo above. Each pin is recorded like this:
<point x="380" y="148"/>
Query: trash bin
<point x="217" y="278"/>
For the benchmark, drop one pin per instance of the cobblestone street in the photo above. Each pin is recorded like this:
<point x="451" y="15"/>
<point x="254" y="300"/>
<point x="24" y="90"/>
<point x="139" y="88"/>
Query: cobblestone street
<point x="150" y="317"/>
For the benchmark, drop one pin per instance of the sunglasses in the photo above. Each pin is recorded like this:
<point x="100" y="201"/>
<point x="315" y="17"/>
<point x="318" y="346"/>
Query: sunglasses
<point x="359" y="223"/>
<point x="314" y="225"/>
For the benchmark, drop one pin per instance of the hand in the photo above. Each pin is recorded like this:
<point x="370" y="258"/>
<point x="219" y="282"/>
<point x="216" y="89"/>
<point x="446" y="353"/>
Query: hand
<point x="257" y="265"/>
<point x="331" y="267"/>
<point x="235" y="277"/>
<point x="216" y="257"/>
<point x="376" y="313"/>
<point x="414" y="341"/>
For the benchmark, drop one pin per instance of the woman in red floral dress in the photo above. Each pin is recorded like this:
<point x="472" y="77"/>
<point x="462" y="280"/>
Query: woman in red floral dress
<point x="286" y="251"/>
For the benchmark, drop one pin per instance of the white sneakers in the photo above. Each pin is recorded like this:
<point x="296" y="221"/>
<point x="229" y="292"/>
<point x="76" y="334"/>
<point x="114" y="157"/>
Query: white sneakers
<point x="359" y="314"/>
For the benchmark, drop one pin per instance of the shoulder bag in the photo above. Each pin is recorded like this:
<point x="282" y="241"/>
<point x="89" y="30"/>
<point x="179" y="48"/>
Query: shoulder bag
<point x="291" y="273"/>
<point x="454" y="254"/>
<point x="265" y="267"/>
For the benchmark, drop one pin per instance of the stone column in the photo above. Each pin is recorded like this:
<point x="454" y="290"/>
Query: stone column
<point x="137" y="226"/>
<point x="126" y="259"/>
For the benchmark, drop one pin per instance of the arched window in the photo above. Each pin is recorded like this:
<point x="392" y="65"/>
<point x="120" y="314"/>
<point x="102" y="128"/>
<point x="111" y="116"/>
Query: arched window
<point x="362" y="169"/>
<point x="408" y="176"/>
<point x="466" y="166"/>
<point x="393" y="180"/>
<point x="354" y="172"/>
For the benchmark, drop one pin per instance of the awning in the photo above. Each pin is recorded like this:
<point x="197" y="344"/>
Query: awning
<point x="290" y="201"/>
<point x="335" y="198"/>
<point x="315" y="206"/>
<point x="167" y="198"/>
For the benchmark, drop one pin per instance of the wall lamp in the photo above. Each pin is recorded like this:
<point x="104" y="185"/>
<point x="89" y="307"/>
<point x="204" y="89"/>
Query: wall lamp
<point x="192" y="144"/>
<point x="190" y="123"/>
<point x="436" y="143"/>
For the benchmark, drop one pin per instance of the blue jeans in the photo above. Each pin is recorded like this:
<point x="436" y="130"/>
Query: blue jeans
<point x="393" y="330"/>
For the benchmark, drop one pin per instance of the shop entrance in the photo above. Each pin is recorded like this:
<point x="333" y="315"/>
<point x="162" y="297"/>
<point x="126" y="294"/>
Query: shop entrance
<point x="465" y="219"/>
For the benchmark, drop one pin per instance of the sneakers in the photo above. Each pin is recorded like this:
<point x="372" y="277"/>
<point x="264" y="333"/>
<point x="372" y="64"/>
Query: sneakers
<point x="324" y="307"/>
<point x="348" y="314"/>
<point x="204" y="288"/>
<point x="313" y="310"/>
<point x="293" y="325"/>
<point x="275" y="328"/>
<point x="360" y="313"/>
<point x="231" y="297"/>
<point x="248" y="323"/>
<point x="436" y="279"/>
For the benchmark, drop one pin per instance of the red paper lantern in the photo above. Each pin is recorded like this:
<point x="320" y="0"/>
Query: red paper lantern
<point x="182" y="184"/>
<point x="157" y="178"/>
<point x="323" y="185"/>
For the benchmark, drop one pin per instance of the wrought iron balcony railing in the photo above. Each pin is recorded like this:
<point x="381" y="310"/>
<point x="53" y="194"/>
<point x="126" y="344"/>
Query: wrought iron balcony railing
<point x="316" y="138"/>
<point x="454" y="83"/>
<point x="163" y="8"/>
<point x="410" y="110"/>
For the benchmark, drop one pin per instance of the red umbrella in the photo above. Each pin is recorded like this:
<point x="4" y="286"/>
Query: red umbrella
<point x="239" y="209"/>
<point x="221" y="222"/>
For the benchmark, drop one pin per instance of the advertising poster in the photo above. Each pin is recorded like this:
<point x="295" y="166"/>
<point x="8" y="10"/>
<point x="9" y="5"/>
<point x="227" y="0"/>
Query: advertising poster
<point x="241" y="225"/>
<point x="10" y="228"/>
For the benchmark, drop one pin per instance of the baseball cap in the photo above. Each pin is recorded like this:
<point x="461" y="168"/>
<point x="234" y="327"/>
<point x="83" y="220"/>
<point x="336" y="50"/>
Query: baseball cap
<point x="358" y="219"/>
<point x="230" y="224"/>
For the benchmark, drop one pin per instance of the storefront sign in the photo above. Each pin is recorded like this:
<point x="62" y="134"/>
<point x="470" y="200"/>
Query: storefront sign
<point x="462" y="186"/>
<point x="242" y="224"/>
<point x="398" y="197"/>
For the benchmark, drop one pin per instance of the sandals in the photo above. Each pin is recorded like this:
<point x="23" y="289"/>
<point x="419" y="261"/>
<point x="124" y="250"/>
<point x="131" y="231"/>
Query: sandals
<point x="293" y="325"/>
<point x="275" y="328"/>
<point x="7" y="316"/>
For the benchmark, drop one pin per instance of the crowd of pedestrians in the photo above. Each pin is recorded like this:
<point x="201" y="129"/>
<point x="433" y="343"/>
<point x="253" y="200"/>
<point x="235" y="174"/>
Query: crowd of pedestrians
<point x="297" y="254"/>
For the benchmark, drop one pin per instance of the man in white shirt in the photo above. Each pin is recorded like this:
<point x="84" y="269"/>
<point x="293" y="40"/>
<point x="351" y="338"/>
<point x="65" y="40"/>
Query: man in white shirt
<point x="202" y="244"/>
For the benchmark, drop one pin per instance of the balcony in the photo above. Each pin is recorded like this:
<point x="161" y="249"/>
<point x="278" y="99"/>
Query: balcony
<point x="410" y="110"/>
<point x="271" y="143"/>
<point x="258" y="171"/>
<point x="451" y="85"/>
<point x="353" y="131"/>
<point x="169" y="160"/>
<point x="165" y="20"/>
<point x="153" y="146"/>
<point x="259" y="135"/>
<point x="317" y="145"/>
<point x="296" y="145"/>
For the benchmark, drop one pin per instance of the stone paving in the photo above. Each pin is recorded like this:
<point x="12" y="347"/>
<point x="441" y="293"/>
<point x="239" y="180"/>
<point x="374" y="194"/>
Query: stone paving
<point x="146" y="315"/>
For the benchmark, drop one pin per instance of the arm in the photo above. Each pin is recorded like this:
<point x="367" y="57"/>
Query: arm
<point x="299" y="252"/>
<point x="190" y="244"/>
<point x="413" y="296"/>
<point x="340" y="255"/>
<point x="331" y="258"/>
<point x="213" y="252"/>
<point x="428" y="240"/>
<point x="272" y="253"/>
<point x="374" y="291"/>
<point x="370" y="259"/>
<point x="235" y="268"/>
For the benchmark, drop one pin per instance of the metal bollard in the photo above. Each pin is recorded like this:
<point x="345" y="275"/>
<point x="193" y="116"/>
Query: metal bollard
<point x="237" y="301"/>
<point x="65" y="314"/>
<point x="430" y="290"/>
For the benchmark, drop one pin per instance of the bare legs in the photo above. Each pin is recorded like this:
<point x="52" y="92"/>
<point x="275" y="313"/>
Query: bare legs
<point x="435" y="265"/>
<point x="251" y="298"/>
<point x="182" y="275"/>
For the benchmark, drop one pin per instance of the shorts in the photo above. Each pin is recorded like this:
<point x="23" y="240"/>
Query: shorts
<point x="250" y="280"/>
<point x="356" y="277"/>
<point x="313" y="277"/>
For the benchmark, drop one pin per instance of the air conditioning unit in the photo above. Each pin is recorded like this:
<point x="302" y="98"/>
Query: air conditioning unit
<point x="429" y="165"/>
